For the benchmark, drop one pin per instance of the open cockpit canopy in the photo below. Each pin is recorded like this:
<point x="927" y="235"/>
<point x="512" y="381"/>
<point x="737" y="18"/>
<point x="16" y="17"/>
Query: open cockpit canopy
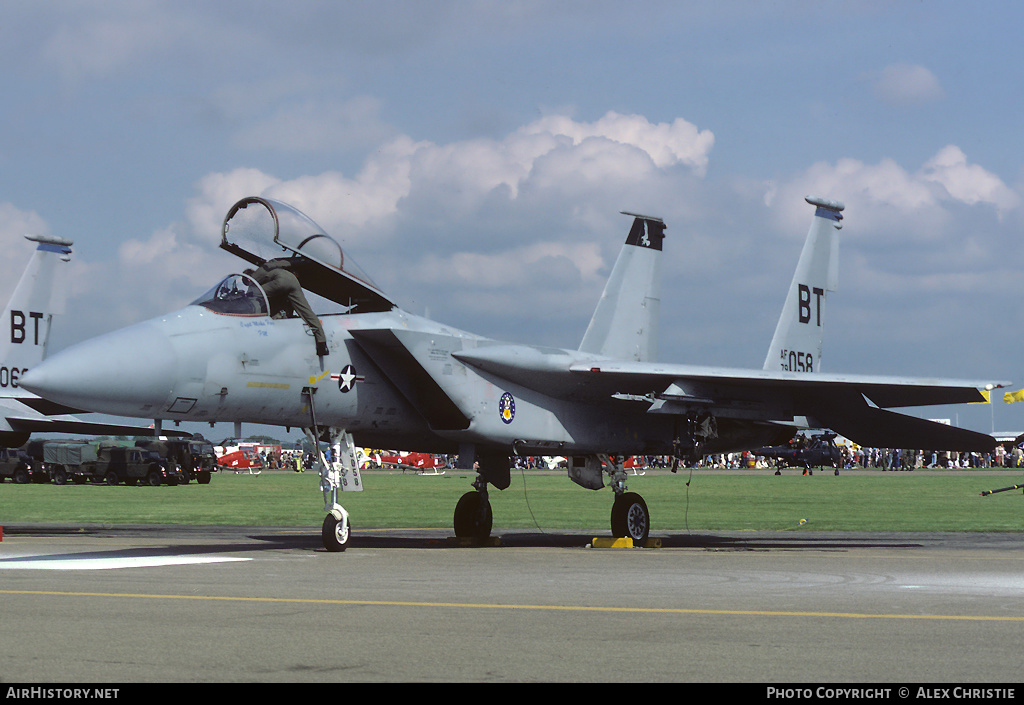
<point x="260" y="229"/>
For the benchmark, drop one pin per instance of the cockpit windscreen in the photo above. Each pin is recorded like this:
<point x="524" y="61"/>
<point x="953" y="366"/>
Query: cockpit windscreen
<point x="235" y="295"/>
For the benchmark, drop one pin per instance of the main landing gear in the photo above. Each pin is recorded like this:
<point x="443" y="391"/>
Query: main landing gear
<point x="473" y="518"/>
<point x="630" y="516"/>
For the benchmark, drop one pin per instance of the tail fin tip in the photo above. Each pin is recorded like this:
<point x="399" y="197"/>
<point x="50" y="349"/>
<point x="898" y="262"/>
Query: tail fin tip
<point x="625" y="322"/>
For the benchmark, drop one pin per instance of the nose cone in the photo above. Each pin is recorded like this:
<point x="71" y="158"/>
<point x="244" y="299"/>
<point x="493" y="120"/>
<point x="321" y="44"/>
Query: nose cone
<point x="129" y="372"/>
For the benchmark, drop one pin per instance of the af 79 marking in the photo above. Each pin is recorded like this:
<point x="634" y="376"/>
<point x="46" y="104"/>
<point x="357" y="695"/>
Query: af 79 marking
<point x="793" y="361"/>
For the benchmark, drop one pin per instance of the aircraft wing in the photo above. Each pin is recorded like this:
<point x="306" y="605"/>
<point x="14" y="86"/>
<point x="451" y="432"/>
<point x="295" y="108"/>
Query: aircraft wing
<point x="696" y="381"/>
<point x="852" y="405"/>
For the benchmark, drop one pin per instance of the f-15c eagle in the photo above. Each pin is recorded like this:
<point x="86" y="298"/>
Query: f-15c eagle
<point x="392" y="379"/>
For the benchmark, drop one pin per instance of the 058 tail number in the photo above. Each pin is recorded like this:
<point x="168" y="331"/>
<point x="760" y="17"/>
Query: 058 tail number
<point x="793" y="361"/>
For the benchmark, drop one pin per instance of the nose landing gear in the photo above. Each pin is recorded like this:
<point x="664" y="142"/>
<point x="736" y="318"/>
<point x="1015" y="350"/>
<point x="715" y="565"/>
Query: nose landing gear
<point x="339" y="473"/>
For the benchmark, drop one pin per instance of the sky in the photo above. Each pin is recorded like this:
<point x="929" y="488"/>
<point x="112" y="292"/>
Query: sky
<point x="474" y="157"/>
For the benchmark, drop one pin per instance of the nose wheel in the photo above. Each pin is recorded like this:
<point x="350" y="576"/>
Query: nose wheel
<point x="336" y="532"/>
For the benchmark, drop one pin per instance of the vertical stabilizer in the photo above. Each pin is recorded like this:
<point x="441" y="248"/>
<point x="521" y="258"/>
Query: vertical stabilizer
<point x="624" y="325"/>
<point x="26" y="320"/>
<point x="797" y="344"/>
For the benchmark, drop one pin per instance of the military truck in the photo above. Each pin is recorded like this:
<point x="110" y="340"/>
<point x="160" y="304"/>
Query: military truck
<point x="193" y="457"/>
<point x="15" y="464"/>
<point x="109" y="462"/>
<point x="69" y="460"/>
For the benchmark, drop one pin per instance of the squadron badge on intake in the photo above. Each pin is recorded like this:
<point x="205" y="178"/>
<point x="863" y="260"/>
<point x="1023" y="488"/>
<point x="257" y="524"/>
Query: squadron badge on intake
<point x="507" y="408"/>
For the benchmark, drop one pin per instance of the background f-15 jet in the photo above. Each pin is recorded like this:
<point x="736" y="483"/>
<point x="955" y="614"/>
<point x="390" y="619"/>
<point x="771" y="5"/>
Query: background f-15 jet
<point x="23" y="337"/>
<point x="393" y="379"/>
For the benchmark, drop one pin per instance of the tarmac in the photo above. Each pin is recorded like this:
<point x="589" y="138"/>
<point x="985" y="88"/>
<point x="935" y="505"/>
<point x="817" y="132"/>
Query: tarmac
<point x="92" y="604"/>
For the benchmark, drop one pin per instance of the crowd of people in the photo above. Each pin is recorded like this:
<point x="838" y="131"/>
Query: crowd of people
<point x="852" y="457"/>
<point x="886" y="459"/>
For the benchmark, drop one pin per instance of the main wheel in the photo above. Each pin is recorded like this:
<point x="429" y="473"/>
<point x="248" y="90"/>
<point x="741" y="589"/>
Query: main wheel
<point x="473" y="516"/>
<point x="630" y="518"/>
<point x="336" y="534"/>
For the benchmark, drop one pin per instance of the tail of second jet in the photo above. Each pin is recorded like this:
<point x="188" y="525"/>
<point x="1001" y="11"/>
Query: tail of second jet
<point x="624" y="325"/>
<point x="26" y="321"/>
<point x="797" y="343"/>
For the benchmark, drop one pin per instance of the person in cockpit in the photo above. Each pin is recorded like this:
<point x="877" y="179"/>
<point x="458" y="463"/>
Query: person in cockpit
<point x="285" y="293"/>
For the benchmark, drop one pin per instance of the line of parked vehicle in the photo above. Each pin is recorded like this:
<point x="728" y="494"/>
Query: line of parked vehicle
<point x="149" y="461"/>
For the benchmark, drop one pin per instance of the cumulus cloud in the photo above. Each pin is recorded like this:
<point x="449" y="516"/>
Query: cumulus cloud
<point x="886" y="195"/>
<point x="552" y="153"/>
<point x="907" y="85"/>
<point x="667" y="144"/>
<point x="530" y="265"/>
<point x="530" y="217"/>
<point x="15" y="223"/>
<point x="968" y="183"/>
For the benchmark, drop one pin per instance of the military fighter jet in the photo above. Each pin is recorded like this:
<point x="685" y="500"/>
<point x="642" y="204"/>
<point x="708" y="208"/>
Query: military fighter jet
<point x="27" y="320"/>
<point x="396" y="380"/>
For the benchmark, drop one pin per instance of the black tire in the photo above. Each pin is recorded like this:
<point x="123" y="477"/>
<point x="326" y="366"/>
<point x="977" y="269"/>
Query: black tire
<point x="204" y="477"/>
<point x="60" y="476"/>
<point x="154" y="479"/>
<point x="111" y="478"/>
<point x="473" y="516"/>
<point x="630" y="518"/>
<point x="334" y="535"/>
<point x="20" y="476"/>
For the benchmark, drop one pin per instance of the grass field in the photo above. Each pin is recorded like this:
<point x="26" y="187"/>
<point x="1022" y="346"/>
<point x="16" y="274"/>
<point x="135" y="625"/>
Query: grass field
<point x="850" y="502"/>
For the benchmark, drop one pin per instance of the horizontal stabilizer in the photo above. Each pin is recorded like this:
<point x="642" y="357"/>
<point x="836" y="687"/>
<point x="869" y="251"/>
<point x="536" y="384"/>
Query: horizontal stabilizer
<point x="72" y="425"/>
